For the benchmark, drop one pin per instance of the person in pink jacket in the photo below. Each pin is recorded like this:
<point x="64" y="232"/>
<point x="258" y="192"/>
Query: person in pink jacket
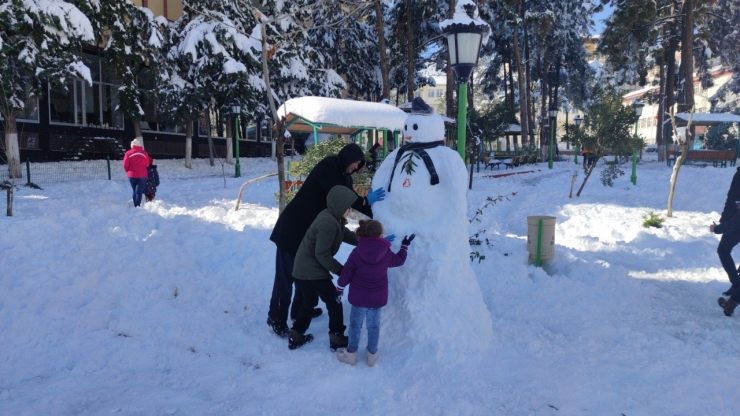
<point x="135" y="162"/>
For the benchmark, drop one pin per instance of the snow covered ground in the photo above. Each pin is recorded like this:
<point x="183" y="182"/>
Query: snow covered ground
<point x="108" y="309"/>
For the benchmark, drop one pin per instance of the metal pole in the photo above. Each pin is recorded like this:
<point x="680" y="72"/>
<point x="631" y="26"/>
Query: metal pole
<point x="108" y="161"/>
<point x="552" y="139"/>
<point x="28" y="171"/>
<point x="237" y="167"/>
<point x="462" y="111"/>
<point x="633" y="178"/>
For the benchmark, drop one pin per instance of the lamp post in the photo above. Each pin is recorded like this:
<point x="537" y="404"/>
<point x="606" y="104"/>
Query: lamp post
<point x="578" y="119"/>
<point x="465" y="34"/>
<point x="637" y="106"/>
<point x="236" y="110"/>
<point x="553" y="113"/>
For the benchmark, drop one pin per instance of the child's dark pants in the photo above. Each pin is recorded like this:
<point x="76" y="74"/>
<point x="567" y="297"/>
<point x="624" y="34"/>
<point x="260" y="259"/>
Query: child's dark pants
<point x="312" y="291"/>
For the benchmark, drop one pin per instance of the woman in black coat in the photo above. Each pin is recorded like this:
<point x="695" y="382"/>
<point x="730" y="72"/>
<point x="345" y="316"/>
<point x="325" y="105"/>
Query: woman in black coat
<point x="297" y="217"/>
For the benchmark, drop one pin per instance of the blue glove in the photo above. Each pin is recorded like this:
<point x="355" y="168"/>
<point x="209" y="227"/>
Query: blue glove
<point x="375" y="195"/>
<point x="390" y="237"/>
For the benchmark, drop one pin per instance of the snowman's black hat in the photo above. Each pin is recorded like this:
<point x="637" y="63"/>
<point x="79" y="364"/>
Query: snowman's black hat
<point x="418" y="106"/>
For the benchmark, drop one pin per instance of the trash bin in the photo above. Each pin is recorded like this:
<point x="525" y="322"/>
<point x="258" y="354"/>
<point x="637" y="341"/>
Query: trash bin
<point x="547" y="238"/>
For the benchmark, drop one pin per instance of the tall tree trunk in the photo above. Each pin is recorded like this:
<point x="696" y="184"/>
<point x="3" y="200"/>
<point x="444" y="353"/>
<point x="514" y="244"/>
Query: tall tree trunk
<point x="280" y="139"/>
<point x="12" y="149"/>
<point x="137" y="130"/>
<point x="659" y="140"/>
<point x="188" y="144"/>
<point x="411" y="55"/>
<point x="209" y="140"/>
<point x="528" y="79"/>
<point x="380" y="32"/>
<point x="450" y="97"/>
<point x="670" y="82"/>
<point x="687" y="62"/>
<point x="523" y="117"/>
<point x="230" y="141"/>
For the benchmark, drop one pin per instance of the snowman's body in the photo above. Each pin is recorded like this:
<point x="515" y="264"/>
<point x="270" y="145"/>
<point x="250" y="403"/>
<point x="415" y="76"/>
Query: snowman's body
<point x="434" y="299"/>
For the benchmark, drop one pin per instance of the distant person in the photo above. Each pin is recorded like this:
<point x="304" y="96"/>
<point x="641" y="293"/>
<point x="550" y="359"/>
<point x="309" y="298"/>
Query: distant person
<point x="588" y="157"/>
<point x="135" y="162"/>
<point x="374" y="157"/>
<point x="366" y="271"/>
<point x="152" y="181"/>
<point x="297" y="217"/>
<point x="315" y="263"/>
<point x="729" y="227"/>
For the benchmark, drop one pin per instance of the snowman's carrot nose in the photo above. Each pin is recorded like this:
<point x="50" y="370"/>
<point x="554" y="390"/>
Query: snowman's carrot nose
<point x="409" y="137"/>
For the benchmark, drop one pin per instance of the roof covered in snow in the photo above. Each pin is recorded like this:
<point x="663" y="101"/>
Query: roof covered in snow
<point x="337" y="116"/>
<point x="709" y="119"/>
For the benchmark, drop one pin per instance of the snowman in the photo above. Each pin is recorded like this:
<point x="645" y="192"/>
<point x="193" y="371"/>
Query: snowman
<point x="435" y="303"/>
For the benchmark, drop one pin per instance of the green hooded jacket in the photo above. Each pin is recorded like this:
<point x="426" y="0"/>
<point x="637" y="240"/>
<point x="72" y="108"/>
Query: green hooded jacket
<point x="315" y="257"/>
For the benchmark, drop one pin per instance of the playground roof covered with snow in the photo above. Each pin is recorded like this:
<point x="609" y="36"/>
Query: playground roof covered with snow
<point x="337" y="116"/>
<point x="708" y="119"/>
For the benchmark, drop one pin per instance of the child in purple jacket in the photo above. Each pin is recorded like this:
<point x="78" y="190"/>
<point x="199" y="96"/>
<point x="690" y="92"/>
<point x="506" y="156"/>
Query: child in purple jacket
<point x="366" y="270"/>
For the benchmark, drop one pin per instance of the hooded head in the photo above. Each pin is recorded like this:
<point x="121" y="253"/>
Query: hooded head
<point x="350" y="154"/>
<point x="423" y="125"/>
<point x="137" y="142"/>
<point x="339" y="200"/>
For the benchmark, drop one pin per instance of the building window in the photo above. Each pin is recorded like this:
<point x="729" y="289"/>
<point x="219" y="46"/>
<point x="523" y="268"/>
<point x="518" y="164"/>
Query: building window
<point x="150" y="121"/>
<point x="439" y="93"/>
<point x="87" y="105"/>
<point x="430" y="93"/>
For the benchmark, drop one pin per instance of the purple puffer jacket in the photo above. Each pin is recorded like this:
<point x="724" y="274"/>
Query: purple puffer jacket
<point x="366" y="271"/>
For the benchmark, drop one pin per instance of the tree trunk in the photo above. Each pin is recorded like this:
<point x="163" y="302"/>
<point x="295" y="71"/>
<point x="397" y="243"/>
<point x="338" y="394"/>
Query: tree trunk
<point x="209" y="140"/>
<point x="659" y="140"/>
<point x="137" y="131"/>
<point x="523" y="118"/>
<point x="230" y="142"/>
<point x="670" y="82"/>
<point x="527" y="79"/>
<point x="679" y="161"/>
<point x="188" y="144"/>
<point x="278" y="122"/>
<point x="12" y="150"/>
<point x="588" y="175"/>
<point x="411" y="55"/>
<point x="380" y="32"/>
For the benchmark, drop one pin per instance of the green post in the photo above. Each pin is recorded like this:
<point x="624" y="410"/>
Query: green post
<point x="462" y="111"/>
<point x="237" y="167"/>
<point x="633" y="178"/>
<point x="107" y="159"/>
<point x="538" y="259"/>
<point x="552" y="139"/>
<point x="28" y="171"/>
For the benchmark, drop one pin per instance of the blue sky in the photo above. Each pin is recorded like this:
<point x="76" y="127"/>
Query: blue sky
<point x="599" y="19"/>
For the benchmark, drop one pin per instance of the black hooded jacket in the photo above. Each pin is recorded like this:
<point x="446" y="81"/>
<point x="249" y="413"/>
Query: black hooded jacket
<point x="732" y="195"/>
<point x="310" y="200"/>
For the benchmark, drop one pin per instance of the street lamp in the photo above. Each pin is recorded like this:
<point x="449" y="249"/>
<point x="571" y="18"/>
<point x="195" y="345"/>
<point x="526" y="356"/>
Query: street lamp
<point x="236" y="110"/>
<point x="553" y="113"/>
<point x="465" y="34"/>
<point x="578" y="119"/>
<point x="637" y="106"/>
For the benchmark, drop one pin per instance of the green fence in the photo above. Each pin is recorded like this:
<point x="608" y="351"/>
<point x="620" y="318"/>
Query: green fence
<point x="55" y="172"/>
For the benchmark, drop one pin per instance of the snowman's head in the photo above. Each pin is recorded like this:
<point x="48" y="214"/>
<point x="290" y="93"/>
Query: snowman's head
<point x="423" y="124"/>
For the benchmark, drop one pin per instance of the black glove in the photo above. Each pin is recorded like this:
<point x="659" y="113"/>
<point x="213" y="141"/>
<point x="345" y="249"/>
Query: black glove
<point x="407" y="240"/>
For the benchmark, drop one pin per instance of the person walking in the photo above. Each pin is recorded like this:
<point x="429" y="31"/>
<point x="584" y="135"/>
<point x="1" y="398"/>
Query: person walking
<point x="152" y="181"/>
<point x="729" y="227"/>
<point x="297" y="217"/>
<point x="366" y="271"/>
<point x="135" y="162"/>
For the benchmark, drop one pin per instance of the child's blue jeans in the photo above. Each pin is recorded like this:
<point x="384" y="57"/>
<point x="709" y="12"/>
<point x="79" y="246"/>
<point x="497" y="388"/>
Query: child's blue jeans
<point x="356" y="317"/>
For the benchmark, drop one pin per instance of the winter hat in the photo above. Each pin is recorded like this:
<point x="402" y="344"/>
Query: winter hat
<point x="137" y="142"/>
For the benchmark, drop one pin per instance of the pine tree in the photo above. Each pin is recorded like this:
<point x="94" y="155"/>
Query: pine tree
<point x="39" y="41"/>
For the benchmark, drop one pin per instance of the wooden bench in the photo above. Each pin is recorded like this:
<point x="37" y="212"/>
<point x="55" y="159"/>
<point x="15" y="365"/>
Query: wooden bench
<point x="717" y="157"/>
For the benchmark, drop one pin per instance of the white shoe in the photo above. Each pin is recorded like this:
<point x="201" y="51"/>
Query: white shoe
<point x="372" y="358"/>
<point x="347" y="357"/>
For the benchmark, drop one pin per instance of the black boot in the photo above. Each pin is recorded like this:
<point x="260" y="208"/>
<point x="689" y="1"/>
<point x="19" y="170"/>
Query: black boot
<point x="337" y="340"/>
<point x="296" y="339"/>
<point x="280" y="329"/>
<point x="729" y="306"/>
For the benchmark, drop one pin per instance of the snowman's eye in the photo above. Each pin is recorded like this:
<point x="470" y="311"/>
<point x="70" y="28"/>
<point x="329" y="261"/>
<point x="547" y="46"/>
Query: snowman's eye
<point x="405" y="127"/>
<point x="416" y="127"/>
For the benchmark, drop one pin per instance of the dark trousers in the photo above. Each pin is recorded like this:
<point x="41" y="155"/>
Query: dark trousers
<point x="724" y="250"/>
<point x="137" y="185"/>
<point x="312" y="291"/>
<point x="282" y="289"/>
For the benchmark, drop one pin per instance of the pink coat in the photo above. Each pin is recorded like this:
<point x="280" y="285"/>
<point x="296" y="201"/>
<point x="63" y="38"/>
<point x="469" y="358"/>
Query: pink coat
<point x="135" y="162"/>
